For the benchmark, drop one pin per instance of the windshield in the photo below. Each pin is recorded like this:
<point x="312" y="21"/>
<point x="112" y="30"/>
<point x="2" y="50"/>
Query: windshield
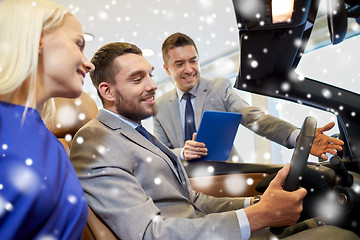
<point x="337" y="65"/>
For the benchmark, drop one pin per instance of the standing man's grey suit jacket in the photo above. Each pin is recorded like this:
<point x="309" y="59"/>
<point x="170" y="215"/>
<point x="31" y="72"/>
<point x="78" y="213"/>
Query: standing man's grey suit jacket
<point x="133" y="186"/>
<point x="215" y="95"/>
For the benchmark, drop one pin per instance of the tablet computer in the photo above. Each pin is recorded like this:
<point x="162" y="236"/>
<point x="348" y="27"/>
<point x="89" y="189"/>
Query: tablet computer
<point x="217" y="130"/>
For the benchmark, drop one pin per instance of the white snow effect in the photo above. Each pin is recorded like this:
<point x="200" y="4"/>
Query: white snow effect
<point x="329" y="208"/>
<point x="101" y="149"/>
<point x="29" y="161"/>
<point x="238" y="188"/>
<point x="356" y="188"/>
<point x="157" y="181"/>
<point x="326" y="93"/>
<point x="206" y="3"/>
<point x="267" y="156"/>
<point x="157" y="219"/>
<point x="115" y="191"/>
<point x="301" y="77"/>
<point x="47" y="237"/>
<point x="9" y="207"/>
<point x="235" y="159"/>
<point x="68" y="137"/>
<point x="225" y="66"/>
<point x="255" y="127"/>
<point x="297" y="42"/>
<point x="210" y="169"/>
<point x="82" y="116"/>
<point x="285" y="87"/>
<point x="24" y="178"/>
<point x="72" y="199"/>
<point x="103" y="15"/>
<point x="354" y="224"/>
<point x="250" y="181"/>
<point x="4" y="146"/>
<point x="80" y="140"/>
<point x="5" y="206"/>
<point x="250" y="7"/>
<point x="254" y="64"/>
<point x="66" y="115"/>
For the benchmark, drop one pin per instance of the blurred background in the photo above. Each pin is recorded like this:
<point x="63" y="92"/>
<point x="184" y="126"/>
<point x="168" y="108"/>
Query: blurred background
<point x="212" y="25"/>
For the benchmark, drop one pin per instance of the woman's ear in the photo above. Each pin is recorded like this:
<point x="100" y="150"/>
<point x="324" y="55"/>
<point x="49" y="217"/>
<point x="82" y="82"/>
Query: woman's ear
<point x="41" y="43"/>
<point x="107" y="91"/>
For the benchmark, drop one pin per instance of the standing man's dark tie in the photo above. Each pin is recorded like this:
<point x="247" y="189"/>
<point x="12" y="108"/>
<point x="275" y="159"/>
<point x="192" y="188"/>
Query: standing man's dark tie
<point x="189" y="118"/>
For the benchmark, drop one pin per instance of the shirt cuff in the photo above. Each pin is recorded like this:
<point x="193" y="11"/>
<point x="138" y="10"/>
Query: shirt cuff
<point x="247" y="202"/>
<point x="182" y="158"/>
<point x="244" y="224"/>
<point x="293" y="137"/>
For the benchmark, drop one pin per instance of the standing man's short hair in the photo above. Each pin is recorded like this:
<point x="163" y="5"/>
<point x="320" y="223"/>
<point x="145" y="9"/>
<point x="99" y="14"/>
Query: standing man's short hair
<point x="103" y="59"/>
<point x="176" y="40"/>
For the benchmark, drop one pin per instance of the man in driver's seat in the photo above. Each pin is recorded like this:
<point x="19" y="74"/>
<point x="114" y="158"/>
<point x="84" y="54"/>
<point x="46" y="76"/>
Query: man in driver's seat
<point x="139" y="187"/>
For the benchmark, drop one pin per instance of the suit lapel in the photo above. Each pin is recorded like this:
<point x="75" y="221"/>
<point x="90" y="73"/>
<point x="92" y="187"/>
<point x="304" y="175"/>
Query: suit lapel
<point x="173" y="109"/>
<point x="170" y="154"/>
<point x="199" y="102"/>
<point x="162" y="151"/>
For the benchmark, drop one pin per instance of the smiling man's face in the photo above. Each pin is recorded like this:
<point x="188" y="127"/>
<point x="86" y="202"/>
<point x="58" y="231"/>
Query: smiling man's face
<point x="183" y="66"/>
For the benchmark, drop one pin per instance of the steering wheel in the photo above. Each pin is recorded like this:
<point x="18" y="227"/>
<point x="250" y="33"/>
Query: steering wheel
<point x="301" y="154"/>
<point x="299" y="159"/>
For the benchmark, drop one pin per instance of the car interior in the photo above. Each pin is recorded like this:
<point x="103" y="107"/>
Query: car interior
<point x="70" y="115"/>
<point x="333" y="186"/>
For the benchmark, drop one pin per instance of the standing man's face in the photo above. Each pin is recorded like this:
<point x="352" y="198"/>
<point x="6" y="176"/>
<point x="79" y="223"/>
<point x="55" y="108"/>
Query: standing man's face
<point x="183" y="67"/>
<point x="134" y="88"/>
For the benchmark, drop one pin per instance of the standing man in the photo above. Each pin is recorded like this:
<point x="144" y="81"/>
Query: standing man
<point x="180" y="109"/>
<point x="139" y="187"/>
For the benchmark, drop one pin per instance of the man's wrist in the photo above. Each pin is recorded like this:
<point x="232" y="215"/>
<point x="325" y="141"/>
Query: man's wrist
<point x="182" y="157"/>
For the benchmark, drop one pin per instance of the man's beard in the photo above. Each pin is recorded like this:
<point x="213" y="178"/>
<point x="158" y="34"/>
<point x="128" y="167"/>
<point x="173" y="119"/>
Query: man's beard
<point x="131" y="110"/>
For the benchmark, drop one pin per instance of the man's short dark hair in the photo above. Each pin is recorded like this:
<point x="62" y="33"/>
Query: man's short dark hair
<point x="103" y="59"/>
<point x="176" y="40"/>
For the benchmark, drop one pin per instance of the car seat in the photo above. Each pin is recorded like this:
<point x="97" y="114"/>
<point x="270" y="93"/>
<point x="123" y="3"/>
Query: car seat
<point x="70" y="115"/>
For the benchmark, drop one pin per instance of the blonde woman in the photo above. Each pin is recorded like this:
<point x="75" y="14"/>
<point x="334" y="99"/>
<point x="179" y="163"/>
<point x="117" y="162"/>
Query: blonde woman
<point x="41" y="49"/>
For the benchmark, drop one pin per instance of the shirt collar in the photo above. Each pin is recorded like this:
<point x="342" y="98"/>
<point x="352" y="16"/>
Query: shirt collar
<point x="180" y="92"/>
<point x="124" y="119"/>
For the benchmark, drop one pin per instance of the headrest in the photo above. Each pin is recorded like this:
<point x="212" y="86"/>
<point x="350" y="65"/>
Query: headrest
<point x="71" y="114"/>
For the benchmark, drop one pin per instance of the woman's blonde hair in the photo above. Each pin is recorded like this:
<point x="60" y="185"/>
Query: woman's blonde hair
<point x="21" y="24"/>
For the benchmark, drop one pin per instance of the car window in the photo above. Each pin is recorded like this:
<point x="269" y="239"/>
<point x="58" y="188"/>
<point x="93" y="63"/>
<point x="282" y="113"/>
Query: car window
<point x="337" y="65"/>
